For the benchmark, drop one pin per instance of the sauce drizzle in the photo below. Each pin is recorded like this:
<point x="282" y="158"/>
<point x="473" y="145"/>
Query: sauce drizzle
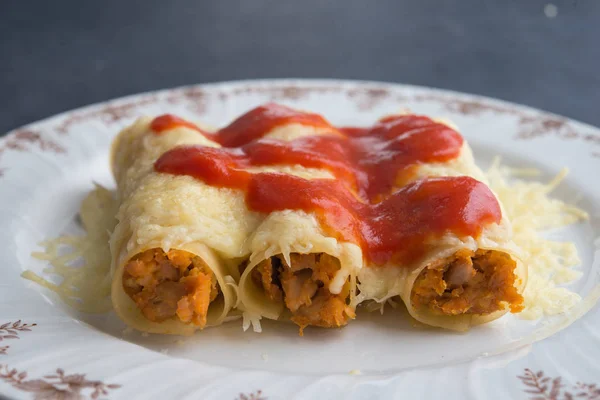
<point x="363" y="205"/>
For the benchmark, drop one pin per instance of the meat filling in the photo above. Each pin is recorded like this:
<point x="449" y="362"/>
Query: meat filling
<point x="303" y="286"/>
<point x="469" y="282"/>
<point x="173" y="284"/>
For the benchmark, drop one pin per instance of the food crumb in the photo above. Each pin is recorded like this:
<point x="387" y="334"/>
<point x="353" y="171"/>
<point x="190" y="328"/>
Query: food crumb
<point x="127" y="331"/>
<point x="265" y="357"/>
<point x="179" y="342"/>
<point x="145" y="334"/>
<point x="164" y="351"/>
<point x="355" y="372"/>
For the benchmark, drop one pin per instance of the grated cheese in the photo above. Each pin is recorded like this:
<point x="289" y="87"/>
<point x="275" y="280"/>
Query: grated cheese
<point x="248" y="319"/>
<point x="550" y="263"/>
<point x="380" y="306"/>
<point x="82" y="263"/>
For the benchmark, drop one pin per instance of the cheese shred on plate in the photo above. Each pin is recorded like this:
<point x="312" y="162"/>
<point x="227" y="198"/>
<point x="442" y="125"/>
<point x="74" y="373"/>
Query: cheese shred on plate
<point x="82" y="263"/>
<point x="550" y="263"/>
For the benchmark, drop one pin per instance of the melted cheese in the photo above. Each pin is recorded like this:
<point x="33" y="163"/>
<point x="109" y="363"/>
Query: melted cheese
<point x="550" y="263"/>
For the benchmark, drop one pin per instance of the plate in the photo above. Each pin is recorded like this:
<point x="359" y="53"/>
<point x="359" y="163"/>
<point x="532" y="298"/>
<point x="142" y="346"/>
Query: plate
<point x="48" y="350"/>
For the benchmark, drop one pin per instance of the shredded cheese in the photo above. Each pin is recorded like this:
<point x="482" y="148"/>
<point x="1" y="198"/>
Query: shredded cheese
<point x="248" y="319"/>
<point x="550" y="263"/>
<point x="82" y="263"/>
<point x="380" y="306"/>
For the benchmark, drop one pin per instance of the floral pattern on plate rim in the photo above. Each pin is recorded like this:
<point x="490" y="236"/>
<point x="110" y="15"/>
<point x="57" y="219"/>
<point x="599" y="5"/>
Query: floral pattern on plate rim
<point x="10" y="330"/>
<point x="251" y="396"/>
<point x="532" y="124"/>
<point x="57" y="386"/>
<point x="542" y="387"/>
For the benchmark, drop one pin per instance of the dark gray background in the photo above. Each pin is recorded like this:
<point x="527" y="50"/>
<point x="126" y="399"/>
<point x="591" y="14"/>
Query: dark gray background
<point x="57" y="55"/>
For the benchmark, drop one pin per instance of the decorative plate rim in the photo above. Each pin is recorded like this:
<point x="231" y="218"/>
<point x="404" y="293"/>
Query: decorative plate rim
<point x="301" y="82"/>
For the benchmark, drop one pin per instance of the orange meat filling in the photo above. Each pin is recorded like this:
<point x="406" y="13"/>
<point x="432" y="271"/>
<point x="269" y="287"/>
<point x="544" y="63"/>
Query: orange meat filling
<point x="303" y="286"/>
<point x="469" y="282"/>
<point x="173" y="284"/>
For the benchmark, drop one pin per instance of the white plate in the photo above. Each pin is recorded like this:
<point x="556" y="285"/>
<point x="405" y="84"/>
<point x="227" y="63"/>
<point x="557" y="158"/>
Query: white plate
<point x="48" y="167"/>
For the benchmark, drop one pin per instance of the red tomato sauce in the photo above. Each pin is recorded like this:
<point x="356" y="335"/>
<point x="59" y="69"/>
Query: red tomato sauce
<point x="370" y="202"/>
